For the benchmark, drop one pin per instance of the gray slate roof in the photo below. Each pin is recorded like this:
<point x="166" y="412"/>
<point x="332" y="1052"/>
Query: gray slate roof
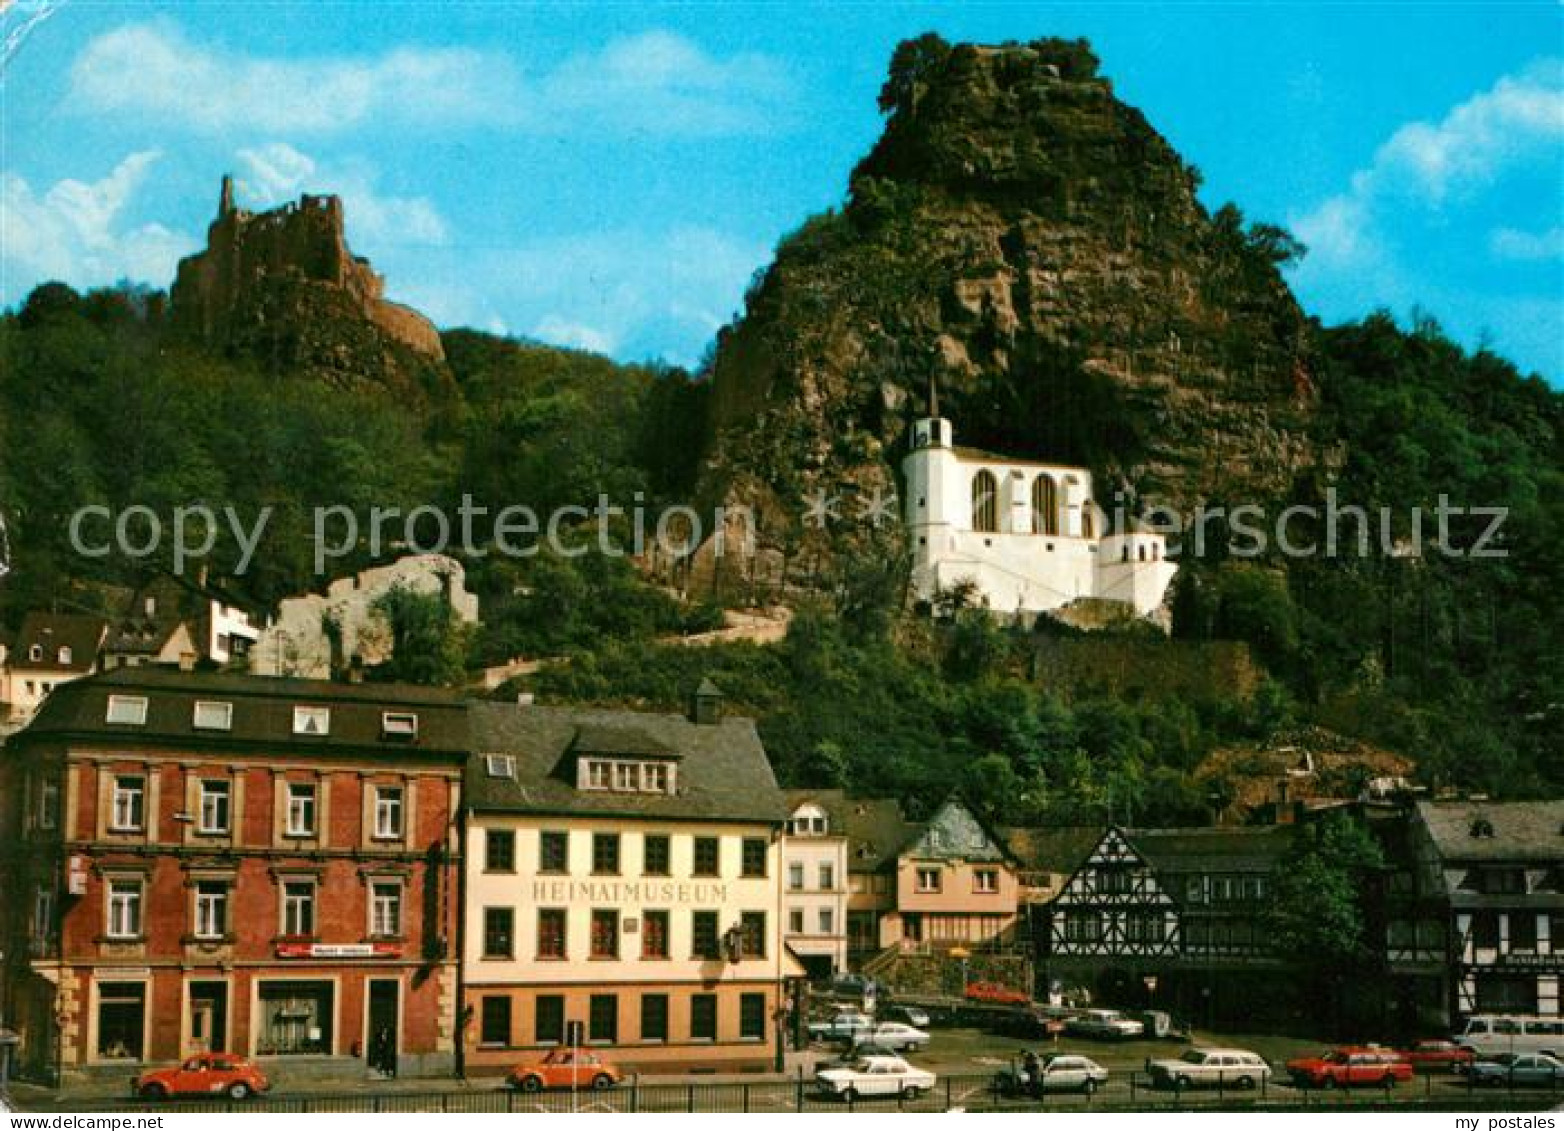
<point x="1060" y="849"/>
<point x="1257" y="849"/>
<point x="262" y="712"/>
<point x="1521" y="830"/>
<point x="723" y="774"/>
<point x="874" y="826"/>
<point x="52" y="631"/>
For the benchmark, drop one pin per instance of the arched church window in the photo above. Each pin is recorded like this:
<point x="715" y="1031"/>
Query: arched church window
<point x="1045" y="506"/>
<point x="985" y="503"/>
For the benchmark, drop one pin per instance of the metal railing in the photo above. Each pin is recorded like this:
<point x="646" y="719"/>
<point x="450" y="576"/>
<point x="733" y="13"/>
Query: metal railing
<point x="977" y="1092"/>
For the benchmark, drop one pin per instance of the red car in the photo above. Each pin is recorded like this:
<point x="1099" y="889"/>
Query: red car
<point x="209" y="1074"/>
<point x="565" y="1068"/>
<point x="1439" y="1056"/>
<point x="1346" y="1067"/>
<point x="992" y="993"/>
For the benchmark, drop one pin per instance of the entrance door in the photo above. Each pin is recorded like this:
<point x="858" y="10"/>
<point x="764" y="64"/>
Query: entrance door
<point x="208" y="1017"/>
<point x="384" y="1039"/>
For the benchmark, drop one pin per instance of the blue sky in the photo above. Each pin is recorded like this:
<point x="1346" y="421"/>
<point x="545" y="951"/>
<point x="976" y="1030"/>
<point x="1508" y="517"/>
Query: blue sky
<point x="610" y="176"/>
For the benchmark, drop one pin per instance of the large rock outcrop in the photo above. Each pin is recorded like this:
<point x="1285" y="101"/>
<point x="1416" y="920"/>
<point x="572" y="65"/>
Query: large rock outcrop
<point x="283" y="288"/>
<point x="1029" y="243"/>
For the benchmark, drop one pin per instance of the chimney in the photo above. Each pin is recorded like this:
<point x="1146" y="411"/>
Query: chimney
<point x="707" y="706"/>
<point x="187" y="661"/>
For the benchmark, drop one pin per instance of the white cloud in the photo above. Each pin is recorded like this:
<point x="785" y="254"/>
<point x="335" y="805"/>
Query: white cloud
<point x="1511" y="243"/>
<point x="557" y="330"/>
<point x="153" y="69"/>
<point x="78" y="232"/>
<point x="1425" y="165"/>
<point x="655" y="82"/>
<point x="276" y="172"/>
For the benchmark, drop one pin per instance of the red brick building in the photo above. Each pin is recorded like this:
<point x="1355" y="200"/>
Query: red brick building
<point x="204" y="861"/>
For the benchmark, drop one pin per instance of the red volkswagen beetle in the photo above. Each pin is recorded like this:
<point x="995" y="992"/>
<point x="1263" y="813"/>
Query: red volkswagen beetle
<point x="208" y="1074"/>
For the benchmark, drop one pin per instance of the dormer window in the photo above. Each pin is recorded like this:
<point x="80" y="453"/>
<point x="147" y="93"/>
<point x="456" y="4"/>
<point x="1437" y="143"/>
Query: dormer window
<point x="499" y="765"/>
<point x="809" y="821"/>
<point x="35" y="653"/>
<point x="625" y="776"/>
<point x="654" y="778"/>
<point x="597" y="775"/>
<point x="1482" y="827"/>
<point x="213" y="715"/>
<point x="314" y="721"/>
<point x="399" y="726"/>
<point x="127" y="710"/>
<point x="64" y="655"/>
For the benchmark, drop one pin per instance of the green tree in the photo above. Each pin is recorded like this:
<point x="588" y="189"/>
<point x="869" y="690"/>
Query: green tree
<point x="429" y="642"/>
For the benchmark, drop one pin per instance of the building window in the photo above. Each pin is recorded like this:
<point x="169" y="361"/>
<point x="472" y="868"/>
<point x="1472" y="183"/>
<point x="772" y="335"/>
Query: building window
<point x="313" y="721"/>
<point x="43" y="917"/>
<point x="298" y="908"/>
<point x="1485" y="929"/>
<point x="752" y="1017"/>
<point x="795" y="877"/>
<point x="703" y="1017"/>
<point x="603" y="1018"/>
<point x="795" y="921"/>
<point x="127" y="710"/>
<point x="301" y="809"/>
<point x="295" y="1019"/>
<point x="499" y="850"/>
<point x="1145" y="927"/>
<point x="654" y="934"/>
<point x="211" y="909"/>
<point x="827" y="921"/>
<point x="554" y="852"/>
<point x="129" y="803"/>
<point x="499" y="932"/>
<point x="214" y="813"/>
<point x="985" y="503"/>
<point x="605" y="934"/>
<point x="1116" y="881"/>
<point x="495" y="1028"/>
<point x="708" y="856"/>
<point x="1082" y="926"/>
<point x="124" y="911"/>
<point x="828" y="877"/>
<point x="654" y="778"/>
<point x="48" y="803"/>
<point x="985" y="881"/>
<point x="807" y="822"/>
<point x="754" y="857"/>
<point x="398" y="726"/>
<point x="64" y="655"/>
<point x="122" y="1020"/>
<point x="654" y="1017"/>
<point x="752" y="933"/>
<point x="704" y="941"/>
<point x="929" y="880"/>
<point x="627" y="776"/>
<point x="499" y="765"/>
<point x="1523" y="932"/>
<point x="605" y="854"/>
<point x="213" y="716"/>
<point x="551" y="933"/>
<point x="1045" y="506"/>
<point x="598" y="775"/>
<point x="388" y="812"/>
<point x="657" y="856"/>
<point x="385" y="910"/>
<point x="548" y="1027"/>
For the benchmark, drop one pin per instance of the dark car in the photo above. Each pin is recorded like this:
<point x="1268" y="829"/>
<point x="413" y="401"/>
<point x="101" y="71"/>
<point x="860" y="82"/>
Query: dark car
<point x="1519" y="1070"/>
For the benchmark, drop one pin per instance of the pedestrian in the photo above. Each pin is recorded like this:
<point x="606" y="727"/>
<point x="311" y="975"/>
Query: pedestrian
<point x="387" y="1054"/>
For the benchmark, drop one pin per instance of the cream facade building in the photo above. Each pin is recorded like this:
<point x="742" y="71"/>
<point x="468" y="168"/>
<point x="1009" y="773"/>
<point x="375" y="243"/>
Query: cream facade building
<point x="814" y="882"/>
<point x="623" y="880"/>
<point x="1031" y="536"/>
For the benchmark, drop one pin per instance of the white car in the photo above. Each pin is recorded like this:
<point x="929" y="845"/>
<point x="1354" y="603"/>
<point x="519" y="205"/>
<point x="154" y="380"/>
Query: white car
<point x="1057" y="1072"/>
<point x="849" y="1025"/>
<point x="1108" y="1024"/>
<point x="876" y="1076"/>
<point x="1208" y="1068"/>
<point x="896" y="1036"/>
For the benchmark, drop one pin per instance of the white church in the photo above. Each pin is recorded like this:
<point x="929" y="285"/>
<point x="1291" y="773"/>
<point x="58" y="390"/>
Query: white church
<point x="1028" y="535"/>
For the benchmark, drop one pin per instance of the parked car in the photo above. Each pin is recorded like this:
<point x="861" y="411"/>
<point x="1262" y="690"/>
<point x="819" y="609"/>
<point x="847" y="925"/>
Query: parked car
<point x="1438" y="1055"/>
<point x="564" y="1068"/>
<point x="907" y="1014"/>
<point x="1210" y="1068"/>
<point x="852" y="985"/>
<point x="1488" y="1034"/>
<point x="848" y="1025"/>
<point x="1054" y="1072"/>
<point x="875" y="1076"/>
<point x="897" y="1037"/>
<point x="1105" y="1024"/>
<point x="208" y="1074"/>
<point x="853" y="1055"/>
<point x="1349" y="1066"/>
<point x="993" y="993"/>
<point x="1519" y="1070"/>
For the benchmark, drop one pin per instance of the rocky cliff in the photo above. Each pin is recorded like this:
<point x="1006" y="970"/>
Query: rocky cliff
<point x="1030" y="244"/>
<point x="283" y="288"/>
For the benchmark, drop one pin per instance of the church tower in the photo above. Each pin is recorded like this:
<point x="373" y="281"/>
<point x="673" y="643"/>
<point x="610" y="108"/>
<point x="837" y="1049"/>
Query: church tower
<point x="933" y="477"/>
